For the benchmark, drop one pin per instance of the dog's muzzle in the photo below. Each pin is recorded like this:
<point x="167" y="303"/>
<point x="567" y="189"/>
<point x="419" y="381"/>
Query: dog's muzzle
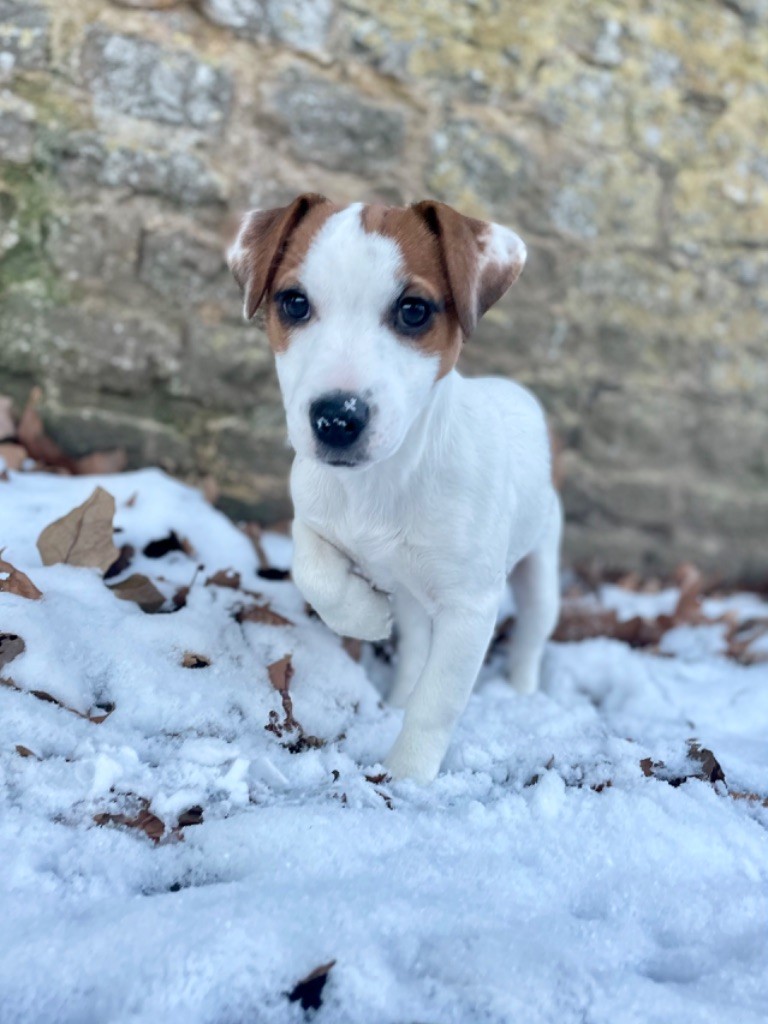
<point x="338" y="421"/>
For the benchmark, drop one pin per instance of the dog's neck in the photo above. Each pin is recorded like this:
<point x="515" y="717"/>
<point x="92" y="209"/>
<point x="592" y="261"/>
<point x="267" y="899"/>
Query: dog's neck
<point x="423" y="441"/>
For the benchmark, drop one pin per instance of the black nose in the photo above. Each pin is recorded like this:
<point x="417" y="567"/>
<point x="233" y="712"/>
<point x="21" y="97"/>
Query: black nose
<point x="339" y="419"/>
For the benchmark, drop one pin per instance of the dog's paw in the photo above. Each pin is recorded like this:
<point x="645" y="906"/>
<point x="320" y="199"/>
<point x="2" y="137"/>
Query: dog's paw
<point x="362" y="613"/>
<point x="418" y="761"/>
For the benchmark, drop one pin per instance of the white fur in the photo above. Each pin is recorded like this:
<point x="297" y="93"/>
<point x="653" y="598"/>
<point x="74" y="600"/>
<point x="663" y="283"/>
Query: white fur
<point x="456" y="496"/>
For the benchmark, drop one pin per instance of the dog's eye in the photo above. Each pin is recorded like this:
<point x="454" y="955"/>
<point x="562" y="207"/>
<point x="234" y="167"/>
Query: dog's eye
<point x="294" y="306"/>
<point x="413" y="313"/>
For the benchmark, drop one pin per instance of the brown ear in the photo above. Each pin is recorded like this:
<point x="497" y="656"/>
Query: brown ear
<point x="481" y="260"/>
<point x="254" y="257"/>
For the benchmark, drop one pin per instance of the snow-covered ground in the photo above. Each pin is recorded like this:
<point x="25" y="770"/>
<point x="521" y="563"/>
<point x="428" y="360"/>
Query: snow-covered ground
<point x="544" y="878"/>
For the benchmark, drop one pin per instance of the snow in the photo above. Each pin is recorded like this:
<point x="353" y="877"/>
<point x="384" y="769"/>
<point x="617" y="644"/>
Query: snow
<point x="509" y="890"/>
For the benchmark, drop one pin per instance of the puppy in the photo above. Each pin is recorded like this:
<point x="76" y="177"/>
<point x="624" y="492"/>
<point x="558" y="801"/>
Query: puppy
<point x="417" y="492"/>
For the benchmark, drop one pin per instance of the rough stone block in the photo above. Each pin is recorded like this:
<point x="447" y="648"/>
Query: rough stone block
<point x="24" y="31"/>
<point x="301" y="24"/>
<point x="140" y="78"/>
<point x="331" y="125"/>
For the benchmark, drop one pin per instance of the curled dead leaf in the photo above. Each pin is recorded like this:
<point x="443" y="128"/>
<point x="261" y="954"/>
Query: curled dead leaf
<point x="14" y="581"/>
<point x="280" y="673"/>
<point x="164" y="546"/>
<point x="224" y="578"/>
<point x="142" y="591"/>
<point x="309" y="991"/>
<point x="145" y="821"/>
<point x="83" y="537"/>
<point x="191" y="660"/>
<point x="31" y="433"/>
<point x="23" y="751"/>
<point x="261" y="613"/>
<point x="11" y="646"/>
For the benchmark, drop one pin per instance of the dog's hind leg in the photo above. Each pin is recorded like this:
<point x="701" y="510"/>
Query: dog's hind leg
<point x="414" y="634"/>
<point x="536" y="587"/>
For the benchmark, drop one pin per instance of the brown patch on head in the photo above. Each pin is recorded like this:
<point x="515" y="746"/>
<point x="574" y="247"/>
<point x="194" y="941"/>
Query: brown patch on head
<point x="451" y="259"/>
<point x="480" y="266"/>
<point x="426" y="276"/>
<point x="271" y="243"/>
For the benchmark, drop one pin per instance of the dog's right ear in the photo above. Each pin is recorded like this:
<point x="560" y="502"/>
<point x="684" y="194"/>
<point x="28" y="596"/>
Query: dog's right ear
<point x="254" y="256"/>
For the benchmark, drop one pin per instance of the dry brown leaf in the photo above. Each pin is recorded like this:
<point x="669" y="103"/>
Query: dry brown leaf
<point x="192" y="816"/>
<point x="141" y="591"/>
<point x="14" y="581"/>
<point x="709" y="768"/>
<point x="145" y="821"/>
<point x="353" y="647"/>
<point x="83" y="537"/>
<point x="191" y="660"/>
<point x="11" y="646"/>
<point x="261" y="613"/>
<point x="31" y="433"/>
<point x="224" y="578"/>
<point x="23" y="751"/>
<point x="164" y="546"/>
<point x="101" y="463"/>
<point x="309" y="991"/>
<point x="280" y="673"/>
<point x="121" y="563"/>
<point x="13" y="455"/>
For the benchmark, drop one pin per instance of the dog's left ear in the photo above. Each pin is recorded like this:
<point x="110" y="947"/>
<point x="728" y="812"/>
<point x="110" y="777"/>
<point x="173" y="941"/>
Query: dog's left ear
<point x="254" y="256"/>
<point x="481" y="260"/>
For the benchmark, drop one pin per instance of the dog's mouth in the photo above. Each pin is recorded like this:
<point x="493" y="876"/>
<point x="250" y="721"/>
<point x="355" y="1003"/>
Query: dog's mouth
<point x="337" y="462"/>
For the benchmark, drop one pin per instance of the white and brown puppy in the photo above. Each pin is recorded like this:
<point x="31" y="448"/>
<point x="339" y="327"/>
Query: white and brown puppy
<point x="416" y="491"/>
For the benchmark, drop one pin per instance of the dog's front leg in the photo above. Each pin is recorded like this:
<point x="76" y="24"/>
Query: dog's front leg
<point x="345" y="602"/>
<point x="460" y="638"/>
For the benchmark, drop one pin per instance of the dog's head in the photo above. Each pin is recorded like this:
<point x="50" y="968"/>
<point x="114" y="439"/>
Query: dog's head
<point x="366" y="309"/>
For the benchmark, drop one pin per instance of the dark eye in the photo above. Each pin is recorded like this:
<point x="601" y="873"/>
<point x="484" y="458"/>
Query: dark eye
<point x="413" y="313"/>
<point x="294" y="306"/>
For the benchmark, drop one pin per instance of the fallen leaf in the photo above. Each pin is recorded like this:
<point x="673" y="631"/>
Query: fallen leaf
<point x="280" y="673"/>
<point x="191" y="660"/>
<point x="145" y="821"/>
<point x="179" y="599"/>
<point x="309" y="991"/>
<point x="261" y="613"/>
<point x="31" y="433"/>
<point x="11" y="646"/>
<point x="14" y="581"/>
<point x="121" y="563"/>
<point x="23" y="751"/>
<point x="353" y="647"/>
<point x="192" y="816"/>
<point x="224" y="578"/>
<point x="171" y="542"/>
<point x="83" y="537"/>
<point x="4" y="476"/>
<point x="102" y="463"/>
<point x="141" y="591"/>
<point x="13" y="455"/>
<point x="377" y="780"/>
<point x="709" y="767"/>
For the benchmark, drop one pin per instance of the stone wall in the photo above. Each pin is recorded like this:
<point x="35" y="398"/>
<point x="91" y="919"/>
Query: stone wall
<point x="624" y="140"/>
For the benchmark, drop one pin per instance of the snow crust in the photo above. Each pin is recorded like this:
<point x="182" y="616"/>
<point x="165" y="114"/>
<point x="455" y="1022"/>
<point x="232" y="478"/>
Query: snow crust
<point x="509" y="890"/>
